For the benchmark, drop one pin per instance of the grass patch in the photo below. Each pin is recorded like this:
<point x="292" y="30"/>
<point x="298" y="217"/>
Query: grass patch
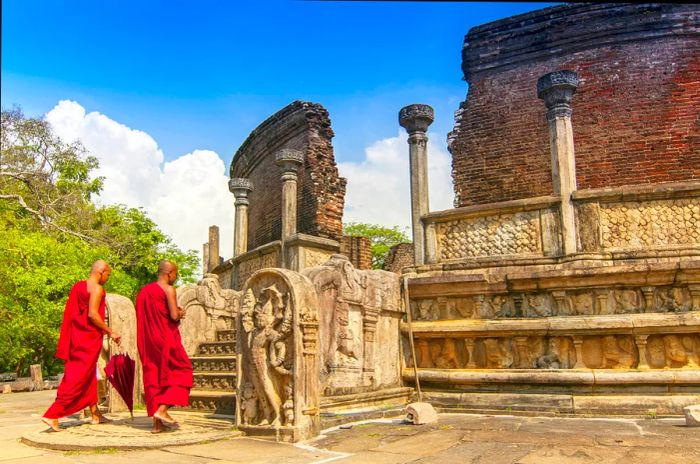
<point x="651" y="414"/>
<point x="446" y="427"/>
<point x="374" y="435"/>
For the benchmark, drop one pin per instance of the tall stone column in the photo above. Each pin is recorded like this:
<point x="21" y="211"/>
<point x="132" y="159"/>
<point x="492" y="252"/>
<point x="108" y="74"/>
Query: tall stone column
<point x="556" y="89"/>
<point x="416" y="119"/>
<point x="240" y="188"/>
<point x="289" y="161"/>
<point x="213" y="247"/>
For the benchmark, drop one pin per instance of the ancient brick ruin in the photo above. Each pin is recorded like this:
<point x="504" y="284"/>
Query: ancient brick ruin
<point x="636" y="109"/>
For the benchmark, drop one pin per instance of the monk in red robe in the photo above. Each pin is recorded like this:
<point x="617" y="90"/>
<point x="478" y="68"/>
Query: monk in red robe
<point x="79" y="345"/>
<point x="167" y="371"/>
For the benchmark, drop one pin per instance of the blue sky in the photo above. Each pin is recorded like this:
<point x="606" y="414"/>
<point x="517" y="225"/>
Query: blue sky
<point x="204" y="74"/>
<point x="162" y="93"/>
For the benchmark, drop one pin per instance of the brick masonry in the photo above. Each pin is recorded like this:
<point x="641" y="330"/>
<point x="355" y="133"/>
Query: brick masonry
<point x="635" y="113"/>
<point x="358" y="249"/>
<point x="399" y="256"/>
<point x="302" y="126"/>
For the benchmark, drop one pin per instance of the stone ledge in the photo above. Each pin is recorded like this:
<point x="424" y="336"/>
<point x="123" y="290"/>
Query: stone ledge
<point x="556" y="376"/>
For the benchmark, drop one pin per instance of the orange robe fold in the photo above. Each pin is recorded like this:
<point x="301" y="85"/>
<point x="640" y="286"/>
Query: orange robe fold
<point x="79" y="345"/>
<point x="167" y="371"/>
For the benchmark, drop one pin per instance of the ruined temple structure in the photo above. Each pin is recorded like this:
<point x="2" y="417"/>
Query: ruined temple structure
<point x="567" y="278"/>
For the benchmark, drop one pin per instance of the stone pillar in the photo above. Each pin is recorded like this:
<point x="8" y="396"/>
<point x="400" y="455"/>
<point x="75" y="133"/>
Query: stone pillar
<point x="240" y="188"/>
<point x="213" y="247"/>
<point x="578" y="345"/>
<point x="205" y="258"/>
<point x="37" y="378"/>
<point x="556" y="89"/>
<point x="648" y="293"/>
<point x="369" y="330"/>
<point x="641" y="342"/>
<point x="416" y="119"/>
<point x="469" y="346"/>
<point x="289" y="161"/>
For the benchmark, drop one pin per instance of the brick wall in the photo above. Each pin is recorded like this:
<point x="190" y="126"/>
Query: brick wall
<point x="399" y="256"/>
<point x="320" y="189"/>
<point x="635" y="113"/>
<point x="358" y="249"/>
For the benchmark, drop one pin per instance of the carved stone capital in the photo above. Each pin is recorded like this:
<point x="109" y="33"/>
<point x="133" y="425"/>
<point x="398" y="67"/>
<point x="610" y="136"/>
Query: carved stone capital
<point x="557" y="89"/>
<point x="240" y="186"/>
<point x="289" y="160"/>
<point x="416" y="118"/>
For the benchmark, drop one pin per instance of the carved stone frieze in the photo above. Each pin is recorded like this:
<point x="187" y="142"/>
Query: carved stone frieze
<point x="634" y="225"/>
<point x="249" y="266"/>
<point x="503" y="234"/>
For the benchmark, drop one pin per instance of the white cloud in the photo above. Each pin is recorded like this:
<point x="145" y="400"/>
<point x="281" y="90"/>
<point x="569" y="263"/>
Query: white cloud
<point x="378" y="188"/>
<point x="184" y="196"/>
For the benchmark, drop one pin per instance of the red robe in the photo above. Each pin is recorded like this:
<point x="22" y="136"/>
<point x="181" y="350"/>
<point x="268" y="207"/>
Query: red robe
<point x="79" y="345"/>
<point x="167" y="371"/>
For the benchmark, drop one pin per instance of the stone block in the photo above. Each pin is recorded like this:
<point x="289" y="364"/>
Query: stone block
<point x="421" y="413"/>
<point x="6" y="388"/>
<point x="692" y="415"/>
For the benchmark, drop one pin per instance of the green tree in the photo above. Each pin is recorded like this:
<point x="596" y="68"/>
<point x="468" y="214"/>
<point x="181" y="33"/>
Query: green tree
<point x="50" y="234"/>
<point x="382" y="239"/>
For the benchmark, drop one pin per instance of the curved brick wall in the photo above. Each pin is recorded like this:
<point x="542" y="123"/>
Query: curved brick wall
<point x="302" y="126"/>
<point x="635" y="113"/>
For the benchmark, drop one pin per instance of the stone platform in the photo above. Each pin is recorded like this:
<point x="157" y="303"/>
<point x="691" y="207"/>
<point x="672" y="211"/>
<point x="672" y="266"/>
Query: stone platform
<point x="127" y="434"/>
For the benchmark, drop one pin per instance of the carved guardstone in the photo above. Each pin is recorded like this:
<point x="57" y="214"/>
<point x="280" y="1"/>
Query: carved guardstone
<point x="278" y="364"/>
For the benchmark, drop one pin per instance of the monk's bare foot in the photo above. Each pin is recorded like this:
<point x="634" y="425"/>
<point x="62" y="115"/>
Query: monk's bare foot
<point x="165" y="418"/>
<point x="53" y="423"/>
<point x="157" y="426"/>
<point x="100" y="419"/>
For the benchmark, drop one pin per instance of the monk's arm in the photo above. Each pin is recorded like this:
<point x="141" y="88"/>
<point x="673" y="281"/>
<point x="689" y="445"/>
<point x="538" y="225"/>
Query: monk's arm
<point x="94" y="314"/>
<point x="174" y="311"/>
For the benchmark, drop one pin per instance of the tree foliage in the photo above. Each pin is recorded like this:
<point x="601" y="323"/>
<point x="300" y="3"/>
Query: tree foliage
<point x="382" y="239"/>
<point x="50" y="234"/>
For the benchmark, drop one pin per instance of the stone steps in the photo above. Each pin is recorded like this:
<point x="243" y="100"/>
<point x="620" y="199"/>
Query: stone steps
<point x="215" y="375"/>
<point x="213" y="363"/>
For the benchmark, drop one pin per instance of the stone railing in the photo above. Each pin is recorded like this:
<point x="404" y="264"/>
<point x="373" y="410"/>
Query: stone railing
<point x="520" y="228"/>
<point x="639" y="219"/>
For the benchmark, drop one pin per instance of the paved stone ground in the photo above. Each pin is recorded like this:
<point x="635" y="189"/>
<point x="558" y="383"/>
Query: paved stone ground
<point x="456" y="438"/>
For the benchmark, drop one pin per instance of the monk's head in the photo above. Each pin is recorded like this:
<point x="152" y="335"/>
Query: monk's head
<point x="168" y="270"/>
<point x="101" y="270"/>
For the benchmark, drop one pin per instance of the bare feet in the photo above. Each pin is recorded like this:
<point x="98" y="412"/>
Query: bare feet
<point x="100" y="419"/>
<point x="53" y="423"/>
<point x="164" y="417"/>
<point x="157" y="426"/>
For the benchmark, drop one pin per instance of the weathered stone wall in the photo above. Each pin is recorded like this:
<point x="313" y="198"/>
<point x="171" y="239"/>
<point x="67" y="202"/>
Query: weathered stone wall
<point x="301" y="126"/>
<point x="399" y="256"/>
<point x="635" y="112"/>
<point x="358" y="249"/>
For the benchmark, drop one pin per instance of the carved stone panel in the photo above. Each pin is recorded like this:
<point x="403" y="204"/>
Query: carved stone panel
<point x="635" y="225"/>
<point x="278" y="363"/>
<point x="499" y="235"/>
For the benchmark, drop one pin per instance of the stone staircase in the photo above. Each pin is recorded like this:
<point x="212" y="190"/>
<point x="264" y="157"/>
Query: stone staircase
<point x="214" y="368"/>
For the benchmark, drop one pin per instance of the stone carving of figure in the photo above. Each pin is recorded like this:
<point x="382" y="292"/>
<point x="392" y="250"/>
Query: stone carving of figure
<point x="497" y="355"/>
<point x="464" y="308"/>
<point x="501" y="307"/>
<point x="671" y="301"/>
<point x="424" y="359"/>
<point x="691" y="343"/>
<point x="582" y="304"/>
<point x="424" y="310"/>
<point x="551" y="359"/>
<point x="676" y="356"/>
<point x="271" y="320"/>
<point x="538" y="305"/>
<point x="288" y="405"/>
<point x="617" y="355"/>
<point x="447" y="358"/>
<point x="249" y="405"/>
<point x="626" y="301"/>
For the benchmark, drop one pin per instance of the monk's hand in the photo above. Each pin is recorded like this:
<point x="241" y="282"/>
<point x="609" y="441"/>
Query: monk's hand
<point x="183" y="312"/>
<point x="116" y="337"/>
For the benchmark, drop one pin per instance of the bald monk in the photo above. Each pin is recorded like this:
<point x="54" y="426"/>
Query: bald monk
<point x="79" y="345"/>
<point x="167" y="371"/>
